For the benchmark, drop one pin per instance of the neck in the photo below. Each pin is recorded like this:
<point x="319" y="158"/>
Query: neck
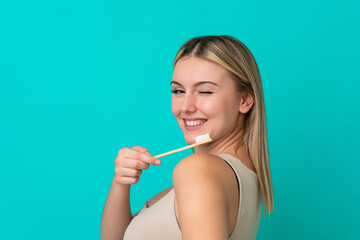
<point x="226" y="144"/>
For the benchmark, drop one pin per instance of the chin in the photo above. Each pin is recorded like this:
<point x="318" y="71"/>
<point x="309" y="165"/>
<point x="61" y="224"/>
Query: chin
<point x="188" y="139"/>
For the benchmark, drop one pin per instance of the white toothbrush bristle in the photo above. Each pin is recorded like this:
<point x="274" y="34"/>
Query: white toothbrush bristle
<point x="202" y="138"/>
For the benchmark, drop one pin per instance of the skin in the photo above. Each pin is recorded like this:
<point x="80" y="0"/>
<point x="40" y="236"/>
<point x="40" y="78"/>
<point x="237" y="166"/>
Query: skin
<point x="116" y="215"/>
<point x="205" y="204"/>
<point x="217" y="101"/>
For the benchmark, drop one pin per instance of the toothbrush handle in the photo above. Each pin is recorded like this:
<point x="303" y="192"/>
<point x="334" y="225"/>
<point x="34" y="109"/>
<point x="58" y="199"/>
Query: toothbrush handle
<point x="183" y="148"/>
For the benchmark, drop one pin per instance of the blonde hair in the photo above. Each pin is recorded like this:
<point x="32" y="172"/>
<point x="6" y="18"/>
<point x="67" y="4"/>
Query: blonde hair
<point x="236" y="58"/>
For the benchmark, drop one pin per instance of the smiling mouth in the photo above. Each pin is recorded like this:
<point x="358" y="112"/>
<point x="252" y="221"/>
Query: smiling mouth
<point x="191" y="123"/>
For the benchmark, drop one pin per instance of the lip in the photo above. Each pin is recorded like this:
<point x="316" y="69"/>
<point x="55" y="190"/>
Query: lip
<point x="193" y="128"/>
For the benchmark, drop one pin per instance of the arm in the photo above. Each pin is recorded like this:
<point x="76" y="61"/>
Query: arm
<point x="116" y="215"/>
<point x="201" y="198"/>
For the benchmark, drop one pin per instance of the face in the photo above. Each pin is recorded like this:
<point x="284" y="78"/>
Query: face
<point x="204" y="99"/>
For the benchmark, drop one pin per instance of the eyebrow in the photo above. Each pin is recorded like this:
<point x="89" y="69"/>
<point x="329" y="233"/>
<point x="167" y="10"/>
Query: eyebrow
<point x="196" y="84"/>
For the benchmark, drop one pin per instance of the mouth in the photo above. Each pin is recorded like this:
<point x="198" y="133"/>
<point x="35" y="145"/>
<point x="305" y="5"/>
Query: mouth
<point x="193" y="124"/>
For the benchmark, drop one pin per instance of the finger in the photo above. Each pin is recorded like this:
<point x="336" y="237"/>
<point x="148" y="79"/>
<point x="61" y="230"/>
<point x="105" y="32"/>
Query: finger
<point x="150" y="160"/>
<point x="128" y="180"/>
<point x="133" y="154"/>
<point x="142" y="150"/>
<point x="136" y="164"/>
<point x="128" y="172"/>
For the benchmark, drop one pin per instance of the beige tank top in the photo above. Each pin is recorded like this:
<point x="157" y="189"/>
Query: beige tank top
<point x="158" y="221"/>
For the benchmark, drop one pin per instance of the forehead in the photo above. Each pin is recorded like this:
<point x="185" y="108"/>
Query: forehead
<point x="194" y="69"/>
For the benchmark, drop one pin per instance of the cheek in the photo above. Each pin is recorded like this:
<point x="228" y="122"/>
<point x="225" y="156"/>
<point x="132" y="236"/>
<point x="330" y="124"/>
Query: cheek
<point x="210" y="107"/>
<point x="175" y="106"/>
<point x="222" y="110"/>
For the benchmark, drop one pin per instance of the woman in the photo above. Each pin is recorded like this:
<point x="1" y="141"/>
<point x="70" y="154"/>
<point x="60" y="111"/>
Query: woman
<point x="217" y="191"/>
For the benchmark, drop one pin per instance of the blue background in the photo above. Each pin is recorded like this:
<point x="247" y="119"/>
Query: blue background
<point x="80" y="80"/>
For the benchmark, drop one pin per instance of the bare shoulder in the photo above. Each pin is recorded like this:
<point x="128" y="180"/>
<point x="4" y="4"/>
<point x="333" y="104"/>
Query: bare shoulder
<point x="201" y="166"/>
<point x="202" y="170"/>
<point x="202" y="183"/>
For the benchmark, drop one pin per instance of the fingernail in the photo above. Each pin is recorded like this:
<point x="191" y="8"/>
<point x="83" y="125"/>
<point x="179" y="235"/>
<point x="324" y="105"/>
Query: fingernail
<point x="157" y="162"/>
<point x="148" y="153"/>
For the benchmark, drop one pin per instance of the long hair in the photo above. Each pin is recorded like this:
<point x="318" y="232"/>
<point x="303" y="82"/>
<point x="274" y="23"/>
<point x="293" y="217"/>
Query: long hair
<point x="236" y="58"/>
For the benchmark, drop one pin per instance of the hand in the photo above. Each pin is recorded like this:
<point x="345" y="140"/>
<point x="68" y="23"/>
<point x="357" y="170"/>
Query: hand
<point x="130" y="162"/>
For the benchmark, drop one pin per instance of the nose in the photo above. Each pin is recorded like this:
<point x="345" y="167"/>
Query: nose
<point x="189" y="104"/>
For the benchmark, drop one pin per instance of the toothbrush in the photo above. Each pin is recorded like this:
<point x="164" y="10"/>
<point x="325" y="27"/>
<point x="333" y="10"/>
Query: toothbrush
<point x="199" y="140"/>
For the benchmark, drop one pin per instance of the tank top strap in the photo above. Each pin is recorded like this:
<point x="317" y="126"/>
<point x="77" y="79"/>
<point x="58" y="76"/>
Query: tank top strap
<point x="238" y="166"/>
<point x="249" y="210"/>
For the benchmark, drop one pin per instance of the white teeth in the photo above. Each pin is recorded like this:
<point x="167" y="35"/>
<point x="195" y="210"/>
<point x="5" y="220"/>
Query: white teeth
<point x="194" y="123"/>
